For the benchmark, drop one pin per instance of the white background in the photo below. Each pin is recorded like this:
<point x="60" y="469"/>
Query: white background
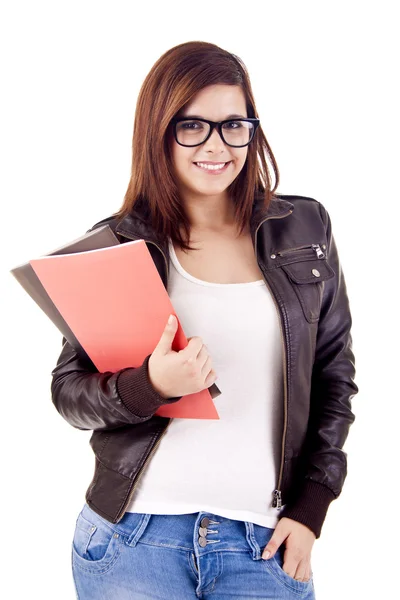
<point x="324" y="77"/>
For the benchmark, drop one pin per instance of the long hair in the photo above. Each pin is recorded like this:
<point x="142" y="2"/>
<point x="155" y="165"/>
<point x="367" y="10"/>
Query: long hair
<point x="176" y="77"/>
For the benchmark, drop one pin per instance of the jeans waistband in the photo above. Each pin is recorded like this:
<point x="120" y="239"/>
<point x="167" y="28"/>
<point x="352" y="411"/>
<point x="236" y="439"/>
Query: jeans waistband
<point x="203" y="531"/>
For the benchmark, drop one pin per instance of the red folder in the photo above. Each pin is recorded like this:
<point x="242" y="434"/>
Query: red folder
<point x="115" y="302"/>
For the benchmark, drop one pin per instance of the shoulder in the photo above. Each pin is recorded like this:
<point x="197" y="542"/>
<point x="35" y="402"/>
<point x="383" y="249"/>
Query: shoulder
<point x="305" y="206"/>
<point x="301" y="201"/>
<point x="112" y="221"/>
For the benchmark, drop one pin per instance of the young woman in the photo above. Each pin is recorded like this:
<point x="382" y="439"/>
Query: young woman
<point x="227" y="508"/>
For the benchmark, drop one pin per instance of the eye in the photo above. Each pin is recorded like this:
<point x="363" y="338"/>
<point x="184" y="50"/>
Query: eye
<point x="232" y="125"/>
<point x="190" y="125"/>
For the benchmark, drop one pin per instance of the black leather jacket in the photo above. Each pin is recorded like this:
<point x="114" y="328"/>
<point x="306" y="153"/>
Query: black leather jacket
<point x="297" y="255"/>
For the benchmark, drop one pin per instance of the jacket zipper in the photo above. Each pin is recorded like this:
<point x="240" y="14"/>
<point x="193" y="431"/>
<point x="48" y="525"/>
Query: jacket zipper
<point x="277" y="500"/>
<point x="140" y="473"/>
<point x="315" y="247"/>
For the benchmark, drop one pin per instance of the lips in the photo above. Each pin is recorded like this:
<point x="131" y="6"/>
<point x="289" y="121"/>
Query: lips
<point x="207" y="162"/>
<point x="215" y="171"/>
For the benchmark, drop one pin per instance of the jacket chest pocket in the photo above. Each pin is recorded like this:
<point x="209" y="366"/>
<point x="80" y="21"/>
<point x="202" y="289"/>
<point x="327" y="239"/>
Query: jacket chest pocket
<point x="307" y="269"/>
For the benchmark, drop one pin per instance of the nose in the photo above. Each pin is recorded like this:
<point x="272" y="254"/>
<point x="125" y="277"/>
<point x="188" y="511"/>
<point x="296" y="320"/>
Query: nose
<point x="215" y="141"/>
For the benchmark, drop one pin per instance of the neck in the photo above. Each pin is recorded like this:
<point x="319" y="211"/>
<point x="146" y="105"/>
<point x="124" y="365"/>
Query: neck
<point x="210" y="213"/>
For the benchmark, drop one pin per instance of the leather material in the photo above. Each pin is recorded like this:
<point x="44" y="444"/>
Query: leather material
<point x="311" y="298"/>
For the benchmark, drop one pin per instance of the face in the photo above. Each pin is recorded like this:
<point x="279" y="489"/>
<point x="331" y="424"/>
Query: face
<point x="216" y="103"/>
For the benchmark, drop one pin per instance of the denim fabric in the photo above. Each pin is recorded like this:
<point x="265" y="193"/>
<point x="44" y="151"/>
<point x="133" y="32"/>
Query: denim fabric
<point x="159" y="557"/>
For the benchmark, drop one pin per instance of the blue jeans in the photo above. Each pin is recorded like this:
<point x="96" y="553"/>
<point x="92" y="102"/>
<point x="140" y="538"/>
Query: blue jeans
<point x="177" y="557"/>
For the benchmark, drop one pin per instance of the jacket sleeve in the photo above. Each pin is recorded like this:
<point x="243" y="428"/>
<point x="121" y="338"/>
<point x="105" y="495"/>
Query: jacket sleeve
<point x="332" y="389"/>
<point x="90" y="400"/>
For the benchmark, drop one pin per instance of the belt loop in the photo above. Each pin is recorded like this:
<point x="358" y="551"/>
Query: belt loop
<point x="136" y="533"/>
<point x="252" y="540"/>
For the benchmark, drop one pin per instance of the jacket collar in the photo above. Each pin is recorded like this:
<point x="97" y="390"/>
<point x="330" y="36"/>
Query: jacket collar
<point x="137" y="224"/>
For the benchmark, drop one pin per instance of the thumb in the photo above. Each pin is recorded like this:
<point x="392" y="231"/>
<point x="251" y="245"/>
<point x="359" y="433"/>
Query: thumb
<point x="273" y="545"/>
<point x="168" y="335"/>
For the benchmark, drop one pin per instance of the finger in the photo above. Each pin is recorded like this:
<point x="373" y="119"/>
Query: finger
<point x="168" y="335"/>
<point x="206" y="368"/>
<point x="211" y="378"/>
<point x="307" y="571"/>
<point x="193" y="348"/>
<point x="290" y="569"/>
<point x="290" y="563"/>
<point x="187" y="355"/>
<point x="201" y="350"/>
<point x="199" y="356"/>
<point x="276" y="540"/>
<point x="203" y="361"/>
<point x="301" y="571"/>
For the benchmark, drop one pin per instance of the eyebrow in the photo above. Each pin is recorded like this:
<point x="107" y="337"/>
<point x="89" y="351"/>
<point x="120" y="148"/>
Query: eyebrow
<point x="234" y="116"/>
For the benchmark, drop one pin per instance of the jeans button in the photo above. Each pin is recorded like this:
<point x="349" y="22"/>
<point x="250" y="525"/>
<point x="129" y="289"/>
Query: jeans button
<point x="202" y="542"/>
<point x="205" y="522"/>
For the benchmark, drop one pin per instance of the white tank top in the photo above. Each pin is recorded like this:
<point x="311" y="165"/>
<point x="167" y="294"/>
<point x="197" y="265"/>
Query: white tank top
<point x="229" y="466"/>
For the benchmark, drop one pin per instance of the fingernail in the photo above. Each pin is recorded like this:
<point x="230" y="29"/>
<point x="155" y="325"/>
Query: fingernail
<point x="170" y="319"/>
<point x="266" y="555"/>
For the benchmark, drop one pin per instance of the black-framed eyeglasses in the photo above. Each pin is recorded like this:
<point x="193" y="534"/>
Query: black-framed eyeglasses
<point x="234" y="132"/>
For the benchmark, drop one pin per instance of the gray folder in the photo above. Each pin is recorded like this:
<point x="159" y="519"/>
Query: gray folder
<point x="102" y="237"/>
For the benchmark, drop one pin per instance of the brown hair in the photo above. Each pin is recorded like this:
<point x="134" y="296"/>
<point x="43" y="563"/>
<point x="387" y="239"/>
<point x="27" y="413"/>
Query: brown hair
<point x="176" y="77"/>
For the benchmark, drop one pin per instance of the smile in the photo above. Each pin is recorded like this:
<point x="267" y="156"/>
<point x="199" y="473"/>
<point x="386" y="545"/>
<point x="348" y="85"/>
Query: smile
<point x="213" y="168"/>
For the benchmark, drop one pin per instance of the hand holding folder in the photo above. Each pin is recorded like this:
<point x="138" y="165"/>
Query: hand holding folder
<point x="116" y="305"/>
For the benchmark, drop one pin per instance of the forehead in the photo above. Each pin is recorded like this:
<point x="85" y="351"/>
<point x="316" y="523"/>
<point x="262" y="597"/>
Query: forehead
<point x="217" y="102"/>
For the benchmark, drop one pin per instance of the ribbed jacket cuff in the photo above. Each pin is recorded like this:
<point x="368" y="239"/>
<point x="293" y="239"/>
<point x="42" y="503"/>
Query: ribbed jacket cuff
<point x="138" y="394"/>
<point x="311" y="506"/>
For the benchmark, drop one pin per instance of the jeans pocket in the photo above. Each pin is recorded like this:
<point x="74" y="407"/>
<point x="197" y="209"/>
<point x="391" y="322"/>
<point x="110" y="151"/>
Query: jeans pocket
<point x="96" y="544"/>
<point x="276" y="566"/>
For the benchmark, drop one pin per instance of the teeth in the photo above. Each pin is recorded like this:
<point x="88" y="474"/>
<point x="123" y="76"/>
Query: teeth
<point x="211" y="167"/>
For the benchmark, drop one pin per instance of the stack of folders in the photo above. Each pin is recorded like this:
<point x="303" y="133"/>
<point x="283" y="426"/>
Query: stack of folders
<point x="108" y="299"/>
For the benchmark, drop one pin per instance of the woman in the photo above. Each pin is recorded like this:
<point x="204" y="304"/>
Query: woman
<point x="187" y="508"/>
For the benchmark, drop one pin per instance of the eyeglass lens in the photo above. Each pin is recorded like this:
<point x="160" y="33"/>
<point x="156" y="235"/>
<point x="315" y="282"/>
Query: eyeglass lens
<point x="235" y="133"/>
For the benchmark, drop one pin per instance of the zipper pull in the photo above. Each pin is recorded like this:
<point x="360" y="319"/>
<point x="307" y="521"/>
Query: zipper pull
<point x="318" y="250"/>
<point x="277" y="501"/>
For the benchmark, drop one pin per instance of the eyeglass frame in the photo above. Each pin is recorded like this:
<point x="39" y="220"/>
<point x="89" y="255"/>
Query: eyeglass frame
<point x="213" y="124"/>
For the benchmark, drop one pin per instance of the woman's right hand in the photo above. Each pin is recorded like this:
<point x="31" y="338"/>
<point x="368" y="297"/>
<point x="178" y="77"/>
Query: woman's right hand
<point x="188" y="371"/>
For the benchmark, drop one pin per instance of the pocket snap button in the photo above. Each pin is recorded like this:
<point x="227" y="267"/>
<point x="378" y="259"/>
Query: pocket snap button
<point x="315" y="272"/>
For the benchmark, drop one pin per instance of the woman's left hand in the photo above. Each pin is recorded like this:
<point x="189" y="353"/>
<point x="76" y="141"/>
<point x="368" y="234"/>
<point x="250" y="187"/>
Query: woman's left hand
<point x="299" y="542"/>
